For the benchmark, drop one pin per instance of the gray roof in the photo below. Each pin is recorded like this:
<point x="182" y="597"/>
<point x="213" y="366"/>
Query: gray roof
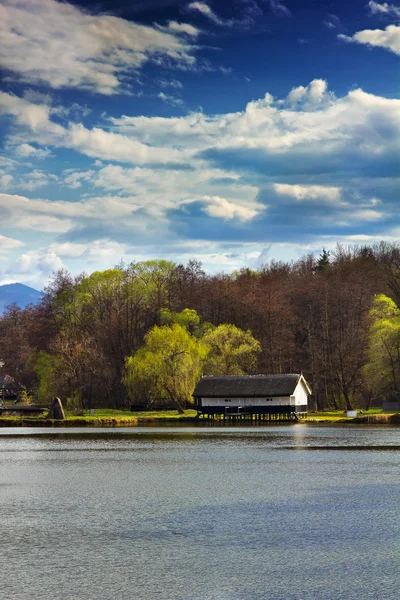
<point x="249" y="385"/>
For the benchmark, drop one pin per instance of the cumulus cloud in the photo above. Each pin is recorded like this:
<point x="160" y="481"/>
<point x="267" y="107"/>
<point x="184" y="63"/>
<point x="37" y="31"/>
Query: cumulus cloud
<point x="311" y="122"/>
<point x="223" y="208"/>
<point x="311" y="96"/>
<point x="46" y="262"/>
<point x="37" y="117"/>
<point x="33" y="268"/>
<point x="63" y="45"/>
<point x="388" y="38"/>
<point x="29" y="151"/>
<point x="290" y="168"/>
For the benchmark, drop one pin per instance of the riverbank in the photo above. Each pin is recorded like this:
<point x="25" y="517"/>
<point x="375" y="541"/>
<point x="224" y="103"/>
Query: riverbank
<point x="120" y="418"/>
<point x="103" y="418"/>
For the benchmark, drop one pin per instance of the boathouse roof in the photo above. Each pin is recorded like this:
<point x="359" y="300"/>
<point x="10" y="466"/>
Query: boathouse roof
<point x="248" y="385"/>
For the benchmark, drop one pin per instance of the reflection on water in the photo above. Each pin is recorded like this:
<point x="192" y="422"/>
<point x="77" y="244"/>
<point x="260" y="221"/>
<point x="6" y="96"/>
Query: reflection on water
<point x="273" y="513"/>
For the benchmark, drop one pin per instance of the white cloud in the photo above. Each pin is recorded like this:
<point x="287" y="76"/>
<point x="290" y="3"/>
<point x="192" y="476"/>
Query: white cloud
<point x="176" y="27"/>
<point x="37" y="117"/>
<point x="247" y="15"/>
<point x="342" y="207"/>
<point x="7" y="243"/>
<point x="365" y="214"/>
<point x="228" y="210"/>
<point x="312" y="96"/>
<point x="328" y="194"/>
<point x="310" y="119"/>
<point x="240" y="167"/>
<point x="106" y="145"/>
<point x="6" y="180"/>
<point x="174" y="83"/>
<point x="205" y="10"/>
<point x="65" y="46"/>
<point x="97" y="143"/>
<point x="384" y="9"/>
<point x="29" y="151"/>
<point x="35" y="180"/>
<point x="40" y="215"/>
<point x="95" y="252"/>
<point x="45" y="262"/>
<point x="33" y="268"/>
<point x="170" y="99"/>
<point x="388" y="38"/>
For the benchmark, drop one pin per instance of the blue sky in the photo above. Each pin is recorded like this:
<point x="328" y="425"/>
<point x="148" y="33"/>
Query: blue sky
<point x="233" y="132"/>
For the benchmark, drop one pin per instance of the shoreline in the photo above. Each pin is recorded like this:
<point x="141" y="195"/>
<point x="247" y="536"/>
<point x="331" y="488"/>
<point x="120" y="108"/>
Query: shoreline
<point x="93" y="421"/>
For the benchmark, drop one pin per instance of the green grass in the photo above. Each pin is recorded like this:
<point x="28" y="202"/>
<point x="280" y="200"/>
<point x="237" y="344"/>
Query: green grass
<point x="107" y="417"/>
<point x="103" y="417"/>
<point x="340" y="415"/>
<point x="100" y="413"/>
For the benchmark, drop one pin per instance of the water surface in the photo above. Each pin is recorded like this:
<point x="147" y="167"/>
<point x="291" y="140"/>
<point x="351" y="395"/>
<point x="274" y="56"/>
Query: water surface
<point x="261" y="513"/>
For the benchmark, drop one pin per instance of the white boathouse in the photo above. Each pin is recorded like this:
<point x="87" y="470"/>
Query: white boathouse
<point x="253" y="396"/>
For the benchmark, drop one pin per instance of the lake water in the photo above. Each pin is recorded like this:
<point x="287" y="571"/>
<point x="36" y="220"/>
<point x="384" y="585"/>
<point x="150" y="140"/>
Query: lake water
<point x="294" y="512"/>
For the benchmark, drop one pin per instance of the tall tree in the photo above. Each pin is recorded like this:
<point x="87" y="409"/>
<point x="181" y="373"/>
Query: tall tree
<point x="167" y="367"/>
<point x="231" y="351"/>
<point x="383" y="369"/>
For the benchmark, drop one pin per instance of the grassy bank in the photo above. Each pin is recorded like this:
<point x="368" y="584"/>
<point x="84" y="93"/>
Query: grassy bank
<point x="125" y="418"/>
<point x="101" y="418"/>
<point x="340" y="416"/>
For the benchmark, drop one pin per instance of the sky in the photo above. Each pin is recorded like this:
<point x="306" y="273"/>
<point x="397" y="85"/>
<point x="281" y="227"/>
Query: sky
<point x="233" y="132"/>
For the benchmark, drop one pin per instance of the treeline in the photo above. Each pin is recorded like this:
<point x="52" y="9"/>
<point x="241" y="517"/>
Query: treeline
<point x="332" y="317"/>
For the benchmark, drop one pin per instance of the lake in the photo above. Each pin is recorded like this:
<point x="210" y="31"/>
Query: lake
<point x="294" y="512"/>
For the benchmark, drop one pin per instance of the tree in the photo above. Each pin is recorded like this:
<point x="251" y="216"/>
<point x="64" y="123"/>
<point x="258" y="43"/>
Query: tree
<point x="168" y="366"/>
<point x="231" y="351"/>
<point x="383" y="369"/>
<point x="187" y="318"/>
<point x="323" y="261"/>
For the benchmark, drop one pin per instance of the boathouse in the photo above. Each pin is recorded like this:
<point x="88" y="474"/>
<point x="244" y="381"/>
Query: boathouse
<point x="252" y="396"/>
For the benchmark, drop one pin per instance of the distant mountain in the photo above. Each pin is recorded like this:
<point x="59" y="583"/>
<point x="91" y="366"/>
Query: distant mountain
<point x="18" y="293"/>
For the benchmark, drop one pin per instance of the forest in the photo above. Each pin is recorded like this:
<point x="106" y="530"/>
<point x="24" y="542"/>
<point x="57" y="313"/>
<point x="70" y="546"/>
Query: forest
<point x="144" y="333"/>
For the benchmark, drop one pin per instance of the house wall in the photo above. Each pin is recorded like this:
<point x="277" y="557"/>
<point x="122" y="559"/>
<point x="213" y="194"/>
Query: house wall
<point x="300" y="394"/>
<point x="273" y="401"/>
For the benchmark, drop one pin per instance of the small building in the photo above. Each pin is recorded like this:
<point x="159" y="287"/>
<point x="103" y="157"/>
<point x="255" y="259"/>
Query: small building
<point x="258" y="396"/>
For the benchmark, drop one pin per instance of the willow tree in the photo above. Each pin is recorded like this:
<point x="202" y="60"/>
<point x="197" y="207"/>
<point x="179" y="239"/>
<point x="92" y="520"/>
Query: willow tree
<point x="231" y="351"/>
<point x="382" y="372"/>
<point x="166" y="367"/>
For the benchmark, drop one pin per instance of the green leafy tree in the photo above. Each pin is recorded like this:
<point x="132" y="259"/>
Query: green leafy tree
<point x="187" y="318"/>
<point x="45" y="366"/>
<point x="231" y="351"/>
<point x="382" y="372"/>
<point x="166" y="367"/>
